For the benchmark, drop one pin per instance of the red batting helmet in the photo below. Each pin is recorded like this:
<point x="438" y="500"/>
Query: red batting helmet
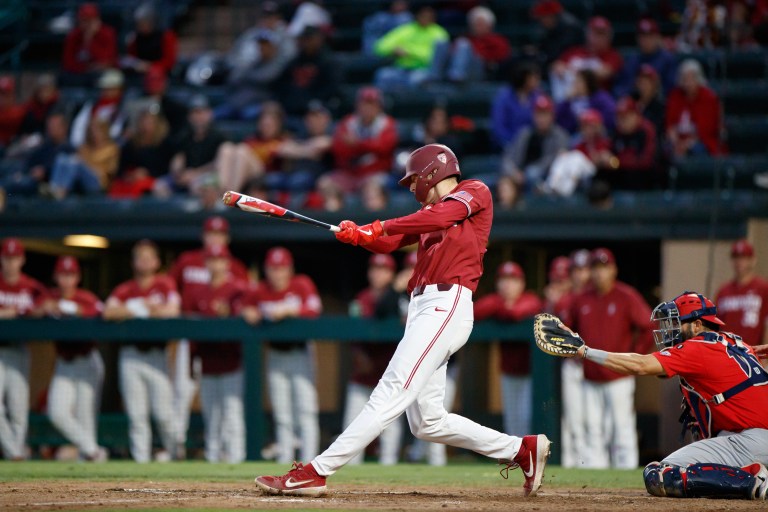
<point x="431" y="164"/>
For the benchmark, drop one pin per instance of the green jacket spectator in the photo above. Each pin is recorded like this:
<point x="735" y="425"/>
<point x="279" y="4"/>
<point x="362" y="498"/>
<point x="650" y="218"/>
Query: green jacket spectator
<point x="412" y="44"/>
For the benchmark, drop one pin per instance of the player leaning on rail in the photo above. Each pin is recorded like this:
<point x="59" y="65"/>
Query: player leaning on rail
<point x="725" y="392"/>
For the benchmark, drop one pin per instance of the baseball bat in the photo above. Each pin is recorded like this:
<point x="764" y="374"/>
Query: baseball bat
<point x="254" y="205"/>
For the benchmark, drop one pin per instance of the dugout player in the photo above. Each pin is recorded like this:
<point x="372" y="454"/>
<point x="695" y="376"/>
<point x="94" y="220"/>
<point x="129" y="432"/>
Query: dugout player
<point x="614" y="315"/>
<point x="191" y="275"/>
<point x="452" y="230"/>
<point x="20" y="296"/>
<point x="221" y="385"/>
<point x="369" y="360"/>
<point x="743" y="301"/>
<point x="144" y="382"/>
<point x="74" y="394"/>
<point x="512" y="303"/>
<point x="725" y="390"/>
<point x="290" y="367"/>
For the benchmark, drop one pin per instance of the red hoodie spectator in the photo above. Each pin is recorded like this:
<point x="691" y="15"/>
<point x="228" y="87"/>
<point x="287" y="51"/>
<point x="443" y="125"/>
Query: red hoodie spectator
<point x="598" y="54"/>
<point x="91" y="46"/>
<point x="11" y="113"/>
<point x="634" y="143"/>
<point x="487" y="44"/>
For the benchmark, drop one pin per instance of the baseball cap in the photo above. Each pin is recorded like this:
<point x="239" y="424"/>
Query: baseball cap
<point x="12" y="247"/>
<point x="559" y="269"/>
<point x="543" y="102"/>
<point x="66" y="265"/>
<point x="110" y="79"/>
<point x="626" y="105"/>
<point x="382" y="260"/>
<point x="7" y="84"/>
<point x="217" y="251"/>
<point x="648" y="71"/>
<point x="602" y="256"/>
<point x="546" y="8"/>
<point x="278" y="257"/>
<point x="510" y="269"/>
<point x="216" y="224"/>
<point x="580" y="258"/>
<point x="371" y="94"/>
<point x="410" y="259"/>
<point x="199" y="101"/>
<point x="647" y="26"/>
<point x="742" y="248"/>
<point x="599" y="24"/>
<point x="88" y="11"/>
<point x="591" y="116"/>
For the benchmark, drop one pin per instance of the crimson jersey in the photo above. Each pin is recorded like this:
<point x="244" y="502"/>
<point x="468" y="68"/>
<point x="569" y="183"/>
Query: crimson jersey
<point x="744" y="308"/>
<point x="709" y="364"/>
<point x="223" y="357"/>
<point x="190" y="273"/>
<point x="88" y="306"/>
<point x="24" y="296"/>
<point x="452" y="236"/>
<point x="515" y="357"/>
<point x="375" y="355"/>
<point x="618" y="321"/>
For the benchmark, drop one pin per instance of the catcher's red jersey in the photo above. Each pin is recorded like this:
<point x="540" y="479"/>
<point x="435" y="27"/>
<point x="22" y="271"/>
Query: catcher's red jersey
<point x="709" y="369"/>
<point x="190" y="273"/>
<point x="744" y="308"/>
<point x="24" y="296"/>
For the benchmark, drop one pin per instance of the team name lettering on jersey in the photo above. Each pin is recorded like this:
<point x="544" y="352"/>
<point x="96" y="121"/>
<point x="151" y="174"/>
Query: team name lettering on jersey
<point x="198" y="275"/>
<point x="291" y="300"/>
<point x="20" y="301"/>
<point x="750" y="304"/>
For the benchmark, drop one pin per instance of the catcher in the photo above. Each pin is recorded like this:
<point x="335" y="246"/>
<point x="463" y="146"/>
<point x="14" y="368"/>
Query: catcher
<point x="725" y="398"/>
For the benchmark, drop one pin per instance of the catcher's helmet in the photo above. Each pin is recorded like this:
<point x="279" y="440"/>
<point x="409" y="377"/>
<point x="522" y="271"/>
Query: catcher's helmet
<point x="431" y="164"/>
<point x="687" y="307"/>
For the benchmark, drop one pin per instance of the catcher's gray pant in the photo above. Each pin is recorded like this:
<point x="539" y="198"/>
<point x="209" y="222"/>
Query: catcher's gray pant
<point x="729" y="448"/>
<point x="611" y="430"/>
<point x="389" y="440"/>
<point x="516" y="404"/>
<point x="221" y="397"/>
<point x="73" y="399"/>
<point x="145" y="386"/>
<point x="14" y="400"/>
<point x="294" y="402"/>
<point x="572" y="423"/>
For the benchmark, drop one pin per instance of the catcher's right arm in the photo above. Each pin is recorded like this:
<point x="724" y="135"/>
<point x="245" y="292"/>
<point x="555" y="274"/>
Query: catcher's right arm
<point x="553" y="337"/>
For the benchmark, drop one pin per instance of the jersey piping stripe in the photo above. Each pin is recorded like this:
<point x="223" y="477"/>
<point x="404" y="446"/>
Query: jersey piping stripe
<point x="434" y="340"/>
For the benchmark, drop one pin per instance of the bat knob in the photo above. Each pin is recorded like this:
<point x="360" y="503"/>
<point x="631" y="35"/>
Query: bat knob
<point x="230" y="198"/>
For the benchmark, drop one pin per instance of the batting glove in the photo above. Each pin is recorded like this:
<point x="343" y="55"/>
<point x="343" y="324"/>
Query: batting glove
<point x="370" y="232"/>
<point x="348" y="231"/>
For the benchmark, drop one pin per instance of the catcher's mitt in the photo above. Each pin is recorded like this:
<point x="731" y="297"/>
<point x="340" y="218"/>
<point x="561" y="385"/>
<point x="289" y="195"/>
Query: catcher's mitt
<point x="553" y="337"/>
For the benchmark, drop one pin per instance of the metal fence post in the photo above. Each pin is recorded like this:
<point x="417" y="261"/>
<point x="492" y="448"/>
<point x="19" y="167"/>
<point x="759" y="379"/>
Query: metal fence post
<point x="253" y="365"/>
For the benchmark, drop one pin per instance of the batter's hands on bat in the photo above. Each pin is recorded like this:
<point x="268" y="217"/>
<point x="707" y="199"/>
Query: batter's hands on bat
<point x="353" y="234"/>
<point x="347" y="233"/>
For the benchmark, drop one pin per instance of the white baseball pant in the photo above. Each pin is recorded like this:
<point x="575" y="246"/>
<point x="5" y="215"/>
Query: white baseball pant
<point x="145" y="387"/>
<point x="294" y="403"/>
<point x="572" y="423"/>
<point x="184" y="387"/>
<point x="611" y="428"/>
<point x="14" y="400"/>
<point x="389" y="440"/>
<point x="436" y="452"/>
<point x="516" y="400"/>
<point x="439" y="324"/>
<point x="221" y="397"/>
<point x="73" y="400"/>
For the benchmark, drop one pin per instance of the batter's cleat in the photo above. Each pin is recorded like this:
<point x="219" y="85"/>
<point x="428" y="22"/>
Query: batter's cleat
<point x="301" y="480"/>
<point x="760" y="489"/>
<point x="531" y="459"/>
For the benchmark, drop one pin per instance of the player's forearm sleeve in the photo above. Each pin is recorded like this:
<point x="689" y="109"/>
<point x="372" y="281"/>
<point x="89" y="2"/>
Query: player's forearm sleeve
<point x="440" y="216"/>
<point x="387" y="244"/>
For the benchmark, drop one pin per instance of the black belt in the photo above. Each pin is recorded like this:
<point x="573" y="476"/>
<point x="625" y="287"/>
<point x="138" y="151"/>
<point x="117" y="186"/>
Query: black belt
<point x="441" y="287"/>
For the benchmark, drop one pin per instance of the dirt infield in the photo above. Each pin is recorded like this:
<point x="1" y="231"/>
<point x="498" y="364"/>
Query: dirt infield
<point x="147" y="495"/>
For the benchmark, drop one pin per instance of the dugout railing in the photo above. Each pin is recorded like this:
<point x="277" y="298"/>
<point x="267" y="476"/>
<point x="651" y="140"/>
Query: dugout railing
<point x="342" y="329"/>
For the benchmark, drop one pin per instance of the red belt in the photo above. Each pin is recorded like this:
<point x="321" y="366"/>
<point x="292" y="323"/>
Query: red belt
<point x="441" y="287"/>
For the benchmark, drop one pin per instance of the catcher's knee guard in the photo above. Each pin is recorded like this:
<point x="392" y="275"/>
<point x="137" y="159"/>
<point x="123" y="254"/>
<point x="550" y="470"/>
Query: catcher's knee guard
<point x="698" y="481"/>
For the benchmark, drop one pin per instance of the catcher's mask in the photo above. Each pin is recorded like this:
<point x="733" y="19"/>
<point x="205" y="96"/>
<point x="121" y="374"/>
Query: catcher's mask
<point x="686" y="307"/>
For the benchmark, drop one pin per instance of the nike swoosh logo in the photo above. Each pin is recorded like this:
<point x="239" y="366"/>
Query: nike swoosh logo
<point x="441" y="310"/>
<point x="369" y="233"/>
<point x="291" y="483"/>
<point x="529" y="473"/>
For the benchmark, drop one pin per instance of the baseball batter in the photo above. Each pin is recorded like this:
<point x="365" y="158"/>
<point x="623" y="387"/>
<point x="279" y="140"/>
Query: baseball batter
<point x="743" y="301"/>
<point x="75" y="390"/>
<point x="451" y="230"/>
<point x="20" y="296"/>
<point x="144" y="381"/>
<point x="725" y="392"/>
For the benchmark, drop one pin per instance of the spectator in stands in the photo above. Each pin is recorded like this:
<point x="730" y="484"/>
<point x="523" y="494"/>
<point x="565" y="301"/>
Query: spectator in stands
<point x="374" y="196"/>
<point x="759" y="22"/>
<point x="648" y="96"/>
<point x="311" y="75"/>
<point x="91" y="169"/>
<point x="597" y="55"/>
<point x="561" y="31"/>
<point x="149" y="45"/>
<point x="634" y="147"/>
<point x="412" y="47"/>
<point x="512" y="303"/>
<point x="41" y="103"/>
<point x="739" y="29"/>
<point x="245" y="51"/>
<point x="290" y="369"/>
<point x="513" y="105"/>
<point x="20" y="296"/>
<point x="528" y="158"/>
<point x="89" y="49"/>
<point x="196" y="148"/>
<point x="156" y="94"/>
<point x="593" y="141"/>
<point x="270" y="135"/>
<point x="107" y="107"/>
<point x="369" y="360"/>
<point x="585" y="94"/>
<point x="507" y="193"/>
<point x="221" y="384"/>
<point x="144" y="382"/>
<point x="144" y="158"/>
<point x="33" y="177"/>
<point x="310" y="13"/>
<point x="75" y="390"/>
<point x="11" y="112"/>
<point x="694" y="121"/>
<point x="363" y="145"/>
<point x="382" y="22"/>
<point x="651" y="52"/>
<point x="476" y="56"/>
<point x="438" y="128"/>
<point x="698" y="28"/>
